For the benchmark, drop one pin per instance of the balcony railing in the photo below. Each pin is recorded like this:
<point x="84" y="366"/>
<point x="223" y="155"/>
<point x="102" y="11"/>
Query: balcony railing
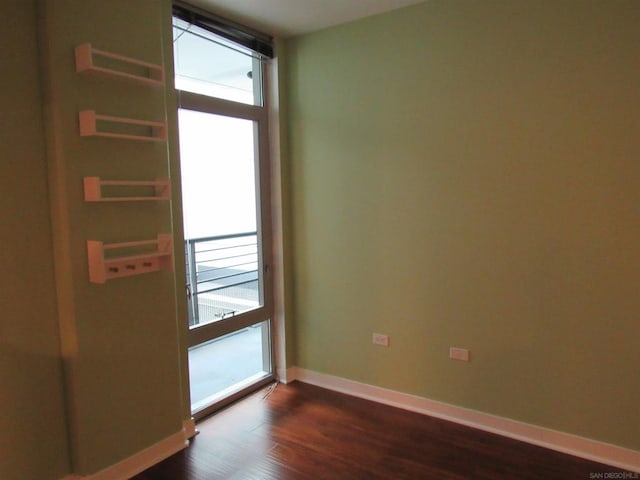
<point x="222" y="276"/>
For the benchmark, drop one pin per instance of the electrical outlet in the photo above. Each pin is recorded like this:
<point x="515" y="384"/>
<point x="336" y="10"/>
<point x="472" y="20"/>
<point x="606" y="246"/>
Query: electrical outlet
<point x="380" y="339"/>
<point x="456" y="353"/>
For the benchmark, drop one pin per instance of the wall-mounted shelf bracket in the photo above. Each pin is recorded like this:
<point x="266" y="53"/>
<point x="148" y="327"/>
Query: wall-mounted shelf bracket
<point x="103" y="268"/>
<point x="89" y="127"/>
<point x="93" y="189"/>
<point x="120" y="66"/>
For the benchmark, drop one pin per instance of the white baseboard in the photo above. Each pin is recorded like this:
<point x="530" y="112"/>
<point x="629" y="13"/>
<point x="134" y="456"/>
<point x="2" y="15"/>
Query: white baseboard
<point x="593" y="450"/>
<point x="189" y="428"/>
<point x="139" y="462"/>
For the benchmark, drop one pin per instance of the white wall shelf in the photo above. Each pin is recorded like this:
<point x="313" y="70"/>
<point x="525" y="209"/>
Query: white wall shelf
<point x="103" y="268"/>
<point x="150" y="73"/>
<point x="93" y="190"/>
<point x="89" y="127"/>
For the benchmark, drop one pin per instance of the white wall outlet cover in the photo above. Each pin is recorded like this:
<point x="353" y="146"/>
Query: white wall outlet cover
<point x="462" y="354"/>
<point x="381" y="339"/>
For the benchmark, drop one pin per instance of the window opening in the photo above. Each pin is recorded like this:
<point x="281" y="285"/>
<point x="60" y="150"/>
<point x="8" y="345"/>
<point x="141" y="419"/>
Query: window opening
<point x="226" y="211"/>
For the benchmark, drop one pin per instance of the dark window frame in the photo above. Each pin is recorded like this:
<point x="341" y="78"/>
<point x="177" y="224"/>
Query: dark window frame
<point x="260" y="43"/>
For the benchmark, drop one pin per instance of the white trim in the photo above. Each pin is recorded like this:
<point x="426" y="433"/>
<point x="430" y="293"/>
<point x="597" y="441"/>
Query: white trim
<point x="281" y="374"/>
<point x="189" y="429"/>
<point x="142" y="460"/>
<point x="287" y="375"/>
<point x="586" y="448"/>
<point x="272" y="101"/>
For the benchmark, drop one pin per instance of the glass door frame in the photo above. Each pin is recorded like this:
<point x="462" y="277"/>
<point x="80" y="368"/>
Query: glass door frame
<point x="207" y="332"/>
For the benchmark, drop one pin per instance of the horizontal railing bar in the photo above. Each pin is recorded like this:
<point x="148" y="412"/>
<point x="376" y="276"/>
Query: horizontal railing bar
<point x="226" y="276"/>
<point x="248" y="249"/>
<point x="219" y="287"/>
<point x="231" y="267"/>
<point x="227" y="286"/>
<point x="213" y="269"/>
<point x="219" y="237"/>
<point x="220" y="259"/>
<point x="254" y="244"/>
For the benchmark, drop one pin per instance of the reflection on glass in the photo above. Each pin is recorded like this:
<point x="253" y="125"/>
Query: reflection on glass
<point x="227" y="364"/>
<point x="220" y="215"/>
<point x="211" y="65"/>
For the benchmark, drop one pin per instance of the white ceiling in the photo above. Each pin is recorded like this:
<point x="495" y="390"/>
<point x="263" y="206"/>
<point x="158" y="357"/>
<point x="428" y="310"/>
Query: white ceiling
<point x="286" y="18"/>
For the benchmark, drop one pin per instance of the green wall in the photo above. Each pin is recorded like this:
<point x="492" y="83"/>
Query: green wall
<point x="468" y="174"/>
<point x="119" y="339"/>
<point x="33" y="438"/>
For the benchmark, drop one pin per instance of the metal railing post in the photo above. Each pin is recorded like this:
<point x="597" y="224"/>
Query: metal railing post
<point x="194" y="317"/>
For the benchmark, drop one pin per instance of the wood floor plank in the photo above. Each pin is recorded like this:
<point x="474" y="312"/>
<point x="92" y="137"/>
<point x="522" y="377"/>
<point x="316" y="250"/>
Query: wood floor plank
<point x="303" y="432"/>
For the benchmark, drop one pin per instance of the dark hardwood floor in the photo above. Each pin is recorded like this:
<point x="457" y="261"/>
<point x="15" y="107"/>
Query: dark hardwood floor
<point x="301" y="431"/>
